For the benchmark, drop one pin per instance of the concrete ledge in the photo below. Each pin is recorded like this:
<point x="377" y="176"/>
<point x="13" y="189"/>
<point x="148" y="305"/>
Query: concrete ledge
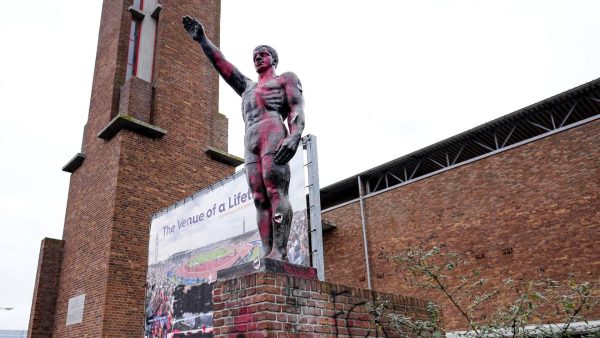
<point x="326" y="225"/>
<point x="132" y="124"/>
<point x="74" y="163"/>
<point x="136" y="14"/>
<point x="223" y="157"/>
<point x="156" y="11"/>
<point x="267" y="265"/>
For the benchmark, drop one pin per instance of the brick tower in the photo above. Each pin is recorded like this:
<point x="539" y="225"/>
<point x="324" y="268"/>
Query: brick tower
<point x="153" y="137"/>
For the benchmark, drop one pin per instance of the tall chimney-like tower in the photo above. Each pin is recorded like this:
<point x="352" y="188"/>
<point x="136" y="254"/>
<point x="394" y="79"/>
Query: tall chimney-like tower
<point x="153" y="137"/>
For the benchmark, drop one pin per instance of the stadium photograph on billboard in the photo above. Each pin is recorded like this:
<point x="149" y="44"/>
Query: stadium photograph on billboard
<point x="209" y="231"/>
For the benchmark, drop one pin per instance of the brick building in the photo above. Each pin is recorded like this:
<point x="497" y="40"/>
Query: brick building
<point x="528" y="182"/>
<point x="520" y="193"/>
<point x="153" y="137"/>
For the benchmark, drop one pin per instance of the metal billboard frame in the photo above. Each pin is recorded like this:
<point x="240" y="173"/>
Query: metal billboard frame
<point x="309" y="143"/>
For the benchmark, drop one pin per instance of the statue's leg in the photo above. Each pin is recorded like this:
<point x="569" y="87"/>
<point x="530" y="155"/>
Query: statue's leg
<point x="263" y="207"/>
<point x="277" y="181"/>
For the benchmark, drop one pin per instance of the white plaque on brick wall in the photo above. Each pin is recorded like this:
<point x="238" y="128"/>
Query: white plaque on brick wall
<point x="75" y="310"/>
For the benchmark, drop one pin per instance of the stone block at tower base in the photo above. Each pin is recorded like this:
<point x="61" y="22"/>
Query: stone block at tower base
<point x="274" y="304"/>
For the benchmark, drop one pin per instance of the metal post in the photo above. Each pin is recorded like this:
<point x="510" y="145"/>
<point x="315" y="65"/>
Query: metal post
<point x="364" y="230"/>
<point x="314" y="200"/>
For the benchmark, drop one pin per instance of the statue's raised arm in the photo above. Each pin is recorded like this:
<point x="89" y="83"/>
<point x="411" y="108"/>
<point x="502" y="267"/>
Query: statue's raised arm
<point x="228" y="71"/>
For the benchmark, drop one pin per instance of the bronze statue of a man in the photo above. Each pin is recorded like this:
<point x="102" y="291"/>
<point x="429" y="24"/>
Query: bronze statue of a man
<point x="269" y="147"/>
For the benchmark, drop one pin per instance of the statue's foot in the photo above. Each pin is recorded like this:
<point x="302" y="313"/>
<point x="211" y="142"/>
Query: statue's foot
<point x="266" y="251"/>
<point x="276" y="255"/>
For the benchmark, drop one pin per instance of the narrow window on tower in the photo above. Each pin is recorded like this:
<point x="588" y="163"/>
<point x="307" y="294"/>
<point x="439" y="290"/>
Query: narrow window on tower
<point x="155" y="17"/>
<point x="134" y="47"/>
<point x="134" y="37"/>
<point x="142" y="38"/>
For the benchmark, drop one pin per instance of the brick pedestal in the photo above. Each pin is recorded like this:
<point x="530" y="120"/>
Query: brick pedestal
<point x="269" y="304"/>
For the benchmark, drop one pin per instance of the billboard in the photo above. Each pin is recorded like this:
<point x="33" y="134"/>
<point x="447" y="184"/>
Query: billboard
<point x="206" y="232"/>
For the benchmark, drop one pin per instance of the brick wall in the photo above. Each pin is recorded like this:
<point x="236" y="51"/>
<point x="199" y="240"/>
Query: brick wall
<point x="541" y="199"/>
<point x="46" y="288"/>
<point x="268" y="304"/>
<point x="343" y="247"/>
<point x="124" y="180"/>
<point x="135" y="99"/>
<point x="219" y="131"/>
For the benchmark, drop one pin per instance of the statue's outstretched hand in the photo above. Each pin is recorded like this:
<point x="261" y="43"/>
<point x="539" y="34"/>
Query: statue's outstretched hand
<point x="193" y="27"/>
<point x="286" y="150"/>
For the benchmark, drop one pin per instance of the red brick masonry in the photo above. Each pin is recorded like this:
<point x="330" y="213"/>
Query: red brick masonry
<point x="46" y="287"/>
<point x="267" y="304"/>
<point x="527" y="212"/>
<point x="136" y="99"/>
<point x="126" y="178"/>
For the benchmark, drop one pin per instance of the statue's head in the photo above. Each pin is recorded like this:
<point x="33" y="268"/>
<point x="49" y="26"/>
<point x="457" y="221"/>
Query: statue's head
<point x="270" y="50"/>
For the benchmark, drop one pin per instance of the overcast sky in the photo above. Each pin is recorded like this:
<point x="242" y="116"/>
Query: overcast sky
<point x="380" y="80"/>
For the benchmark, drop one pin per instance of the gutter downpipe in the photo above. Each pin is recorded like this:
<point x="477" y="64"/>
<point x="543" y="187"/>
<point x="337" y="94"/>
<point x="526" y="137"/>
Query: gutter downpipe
<point x="364" y="230"/>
